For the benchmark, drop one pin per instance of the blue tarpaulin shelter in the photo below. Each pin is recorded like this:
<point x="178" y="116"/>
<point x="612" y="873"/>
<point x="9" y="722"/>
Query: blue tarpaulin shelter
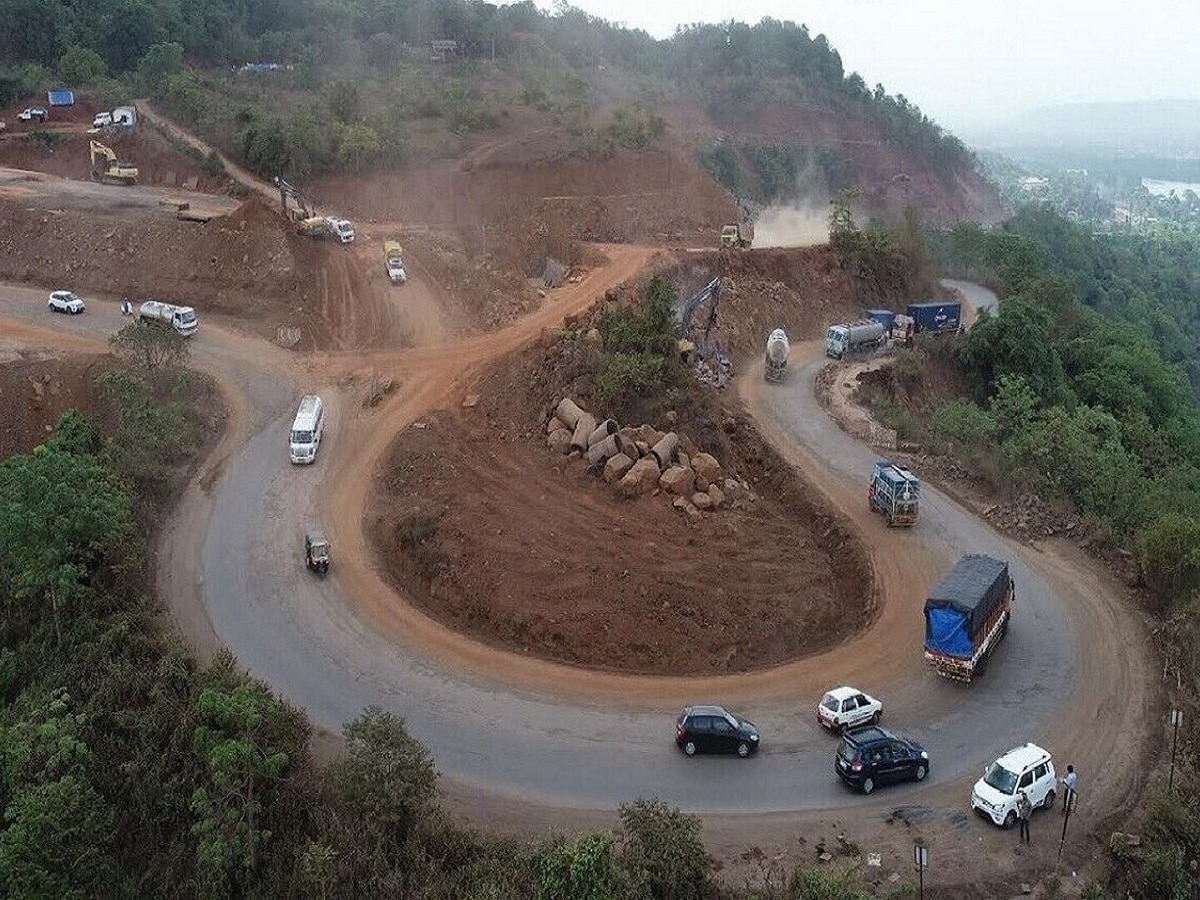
<point x="61" y="97"/>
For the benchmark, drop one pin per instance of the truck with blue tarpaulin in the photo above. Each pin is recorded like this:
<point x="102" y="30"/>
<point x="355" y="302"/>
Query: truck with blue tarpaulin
<point x="967" y="615"/>
<point x="935" y="316"/>
<point x="895" y="492"/>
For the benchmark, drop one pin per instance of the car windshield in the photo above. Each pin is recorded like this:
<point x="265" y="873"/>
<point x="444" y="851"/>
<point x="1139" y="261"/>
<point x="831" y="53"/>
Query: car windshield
<point x="187" y="318"/>
<point x="830" y="703"/>
<point x="302" y="437"/>
<point x="848" y="752"/>
<point x="320" y="550"/>
<point x="1000" y="778"/>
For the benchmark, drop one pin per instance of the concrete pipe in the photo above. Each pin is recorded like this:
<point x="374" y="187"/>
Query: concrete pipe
<point x="600" y="452"/>
<point x="605" y="429"/>
<point x="568" y="413"/>
<point x="584" y="426"/>
<point x="664" y="451"/>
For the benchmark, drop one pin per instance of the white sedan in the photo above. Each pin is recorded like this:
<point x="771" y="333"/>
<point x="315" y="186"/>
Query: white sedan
<point x="844" y="708"/>
<point x="65" y="302"/>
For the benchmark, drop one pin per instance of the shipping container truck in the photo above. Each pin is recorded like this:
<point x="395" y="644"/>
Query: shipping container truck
<point x="935" y="316"/>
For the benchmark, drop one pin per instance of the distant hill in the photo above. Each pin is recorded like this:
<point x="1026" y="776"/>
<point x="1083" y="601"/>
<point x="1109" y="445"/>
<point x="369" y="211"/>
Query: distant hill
<point x="1147" y="126"/>
<point x="312" y="89"/>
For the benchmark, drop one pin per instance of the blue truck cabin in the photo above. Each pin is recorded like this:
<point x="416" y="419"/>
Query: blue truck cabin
<point x="895" y="492"/>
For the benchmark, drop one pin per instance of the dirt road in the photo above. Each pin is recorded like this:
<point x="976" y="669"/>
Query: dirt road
<point x="554" y="738"/>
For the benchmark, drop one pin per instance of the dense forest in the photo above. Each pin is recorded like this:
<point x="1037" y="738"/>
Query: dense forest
<point x="356" y="77"/>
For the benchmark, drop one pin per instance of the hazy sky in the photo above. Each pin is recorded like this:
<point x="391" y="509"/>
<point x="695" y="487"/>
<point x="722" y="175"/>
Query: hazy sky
<point x="967" y="62"/>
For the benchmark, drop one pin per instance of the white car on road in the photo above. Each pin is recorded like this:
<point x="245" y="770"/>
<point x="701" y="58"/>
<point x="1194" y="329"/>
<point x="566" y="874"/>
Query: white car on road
<point x="1026" y="768"/>
<point x="844" y="708"/>
<point x="65" y="302"/>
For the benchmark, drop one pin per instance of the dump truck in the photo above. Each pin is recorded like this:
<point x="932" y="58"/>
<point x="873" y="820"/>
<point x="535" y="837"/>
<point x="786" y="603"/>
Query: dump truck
<point x="777" y="355"/>
<point x="106" y="168"/>
<point x="736" y="236"/>
<point x="935" y="316"/>
<point x="854" y="337"/>
<point x="181" y="318"/>
<point x="327" y="227"/>
<point x="966" y="617"/>
<point x="394" y="261"/>
<point x="895" y="492"/>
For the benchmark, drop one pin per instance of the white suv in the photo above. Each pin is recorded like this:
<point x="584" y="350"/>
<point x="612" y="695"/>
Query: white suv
<point x="1026" y="768"/>
<point x="65" y="302"/>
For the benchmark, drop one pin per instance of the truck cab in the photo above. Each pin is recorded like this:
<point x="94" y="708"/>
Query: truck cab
<point x="343" y="230"/>
<point x="394" y="261"/>
<point x="895" y="492"/>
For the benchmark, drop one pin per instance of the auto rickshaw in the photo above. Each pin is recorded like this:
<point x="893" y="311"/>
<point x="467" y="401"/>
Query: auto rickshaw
<point x="316" y="551"/>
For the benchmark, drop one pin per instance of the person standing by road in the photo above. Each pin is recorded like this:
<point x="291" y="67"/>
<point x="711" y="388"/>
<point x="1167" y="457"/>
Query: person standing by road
<point x="1024" y="811"/>
<point x="1069" y="789"/>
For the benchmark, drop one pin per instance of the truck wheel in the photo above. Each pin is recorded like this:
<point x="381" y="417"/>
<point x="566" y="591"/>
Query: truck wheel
<point x="1010" y="820"/>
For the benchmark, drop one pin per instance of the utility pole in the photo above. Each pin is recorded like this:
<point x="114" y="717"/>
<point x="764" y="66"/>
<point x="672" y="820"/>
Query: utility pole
<point x="1068" y="807"/>
<point x="921" y="860"/>
<point x="1176" y="721"/>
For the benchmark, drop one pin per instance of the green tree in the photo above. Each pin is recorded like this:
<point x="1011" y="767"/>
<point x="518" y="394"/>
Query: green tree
<point x="662" y="856"/>
<point x="1168" y="555"/>
<point x="581" y="869"/>
<point x="158" y="65"/>
<point x="64" y="518"/>
<point x="150" y="351"/>
<point x="131" y="31"/>
<point x="57" y="843"/>
<point x="81" y="66"/>
<point x="357" y="144"/>
<point x="386" y="781"/>
<point x="241" y="765"/>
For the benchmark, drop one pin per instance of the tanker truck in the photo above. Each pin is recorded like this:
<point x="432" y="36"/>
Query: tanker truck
<point x="966" y="617"/>
<point x="777" y="355"/>
<point x="181" y="318"/>
<point x="854" y="337"/>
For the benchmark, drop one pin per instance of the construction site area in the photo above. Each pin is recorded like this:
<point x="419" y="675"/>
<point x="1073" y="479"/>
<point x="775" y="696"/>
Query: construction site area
<point x="495" y="574"/>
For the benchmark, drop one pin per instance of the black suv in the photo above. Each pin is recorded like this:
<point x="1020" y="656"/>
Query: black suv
<point x="872" y="756"/>
<point x="710" y="729"/>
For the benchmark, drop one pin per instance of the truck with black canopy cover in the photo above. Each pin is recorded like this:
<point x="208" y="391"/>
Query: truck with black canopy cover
<point x="967" y="615"/>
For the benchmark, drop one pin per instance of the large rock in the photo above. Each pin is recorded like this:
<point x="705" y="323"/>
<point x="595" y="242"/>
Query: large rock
<point x="701" y="501"/>
<point x="678" y="481"/>
<point x="617" y="467"/>
<point x="555" y="425"/>
<point x="701" y="483"/>
<point x="642" y="478"/>
<point x="717" y="496"/>
<point x="560" y="441"/>
<point x="706" y="465"/>
<point x="686" y="445"/>
<point x="650" y="435"/>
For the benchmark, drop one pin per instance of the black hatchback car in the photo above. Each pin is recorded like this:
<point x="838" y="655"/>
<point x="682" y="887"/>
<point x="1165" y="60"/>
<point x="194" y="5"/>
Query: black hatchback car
<point x="710" y="729"/>
<point x="869" y="757"/>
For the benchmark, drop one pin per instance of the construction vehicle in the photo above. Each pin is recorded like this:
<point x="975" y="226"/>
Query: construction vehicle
<point x="181" y="318"/>
<point x="696" y="345"/>
<point x="966" y="617"/>
<point x="107" y="169"/>
<point x="736" y="236"/>
<point x="326" y="227"/>
<point x="895" y="492"/>
<point x="854" y="337"/>
<point x="393" y="260"/>
<point x="306" y="209"/>
<point x="777" y="356"/>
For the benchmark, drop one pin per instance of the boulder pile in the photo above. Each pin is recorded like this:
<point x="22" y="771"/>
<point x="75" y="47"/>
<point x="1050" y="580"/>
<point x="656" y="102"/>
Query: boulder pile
<point x="643" y="460"/>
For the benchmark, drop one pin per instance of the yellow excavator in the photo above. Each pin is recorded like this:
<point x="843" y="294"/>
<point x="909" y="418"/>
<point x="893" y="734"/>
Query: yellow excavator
<point x="107" y="169"/>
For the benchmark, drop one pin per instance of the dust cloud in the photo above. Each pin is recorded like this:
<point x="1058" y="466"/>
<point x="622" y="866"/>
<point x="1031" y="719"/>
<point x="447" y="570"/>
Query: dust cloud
<point x="792" y="226"/>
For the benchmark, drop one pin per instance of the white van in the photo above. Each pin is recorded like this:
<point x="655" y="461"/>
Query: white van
<point x="306" y="429"/>
<point x="1026" y="768"/>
